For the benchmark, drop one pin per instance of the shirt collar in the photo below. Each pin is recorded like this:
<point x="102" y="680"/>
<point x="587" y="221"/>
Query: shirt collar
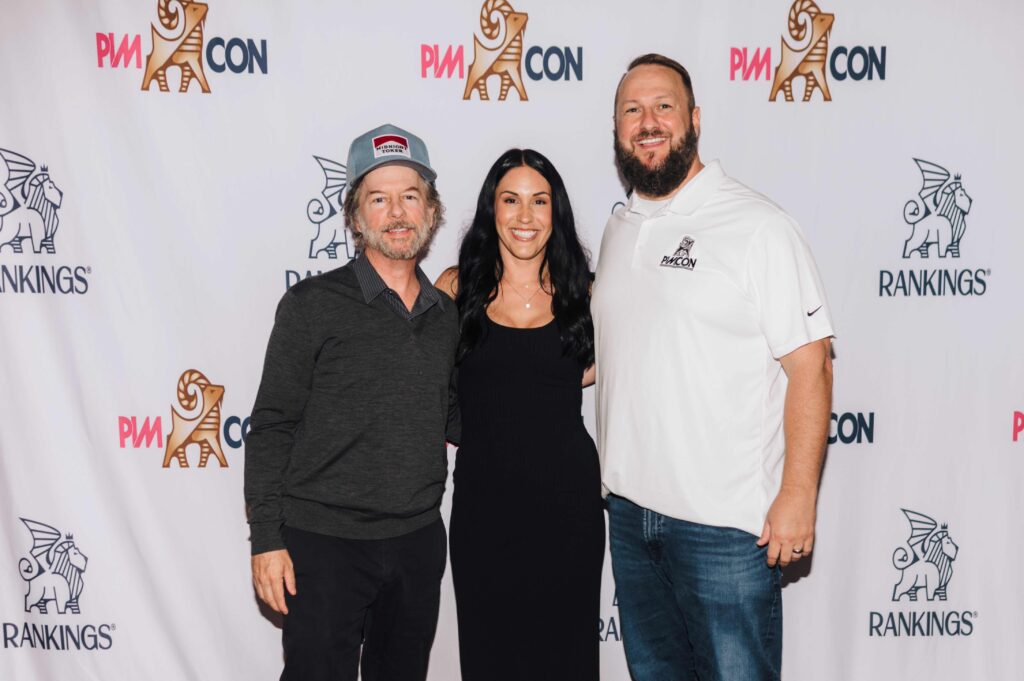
<point x="371" y="284"/>
<point x="693" y="194"/>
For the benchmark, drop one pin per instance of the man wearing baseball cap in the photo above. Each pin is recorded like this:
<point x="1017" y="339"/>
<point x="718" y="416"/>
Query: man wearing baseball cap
<point x="346" y="459"/>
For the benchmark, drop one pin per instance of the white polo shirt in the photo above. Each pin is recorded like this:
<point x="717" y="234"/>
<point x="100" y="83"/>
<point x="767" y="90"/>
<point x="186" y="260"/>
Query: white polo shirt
<point x="693" y="305"/>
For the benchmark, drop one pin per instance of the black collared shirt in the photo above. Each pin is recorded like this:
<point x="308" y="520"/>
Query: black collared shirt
<point x="348" y="431"/>
<point x="372" y="286"/>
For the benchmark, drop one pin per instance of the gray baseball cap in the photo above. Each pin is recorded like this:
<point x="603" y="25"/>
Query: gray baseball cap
<point x="384" y="145"/>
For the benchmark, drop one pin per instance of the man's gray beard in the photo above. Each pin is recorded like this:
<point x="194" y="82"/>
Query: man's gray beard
<point x="418" y="246"/>
<point x="665" y="177"/>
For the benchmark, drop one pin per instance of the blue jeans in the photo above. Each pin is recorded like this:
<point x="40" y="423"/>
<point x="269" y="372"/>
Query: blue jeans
<point x="696" y="602"/>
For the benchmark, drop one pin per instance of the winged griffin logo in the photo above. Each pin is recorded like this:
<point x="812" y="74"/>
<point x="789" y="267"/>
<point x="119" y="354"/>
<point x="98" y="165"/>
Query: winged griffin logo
<point x="504" y="58"/>
<point x="810" y="27"/>
<point x="326" y="213"/>
<point x="202" y="424"/>
<point x="54" y="571"/>
<point x="183" y="49"/>
<point x="929" y="563"/>
<point x="938" y="215"/>
<point x="29" y="201"/>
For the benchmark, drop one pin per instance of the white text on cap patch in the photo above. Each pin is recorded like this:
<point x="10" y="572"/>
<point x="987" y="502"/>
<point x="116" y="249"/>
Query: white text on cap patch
<point x="390" y="145"/>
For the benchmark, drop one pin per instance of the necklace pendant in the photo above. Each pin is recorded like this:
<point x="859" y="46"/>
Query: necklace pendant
<point x="527" y="306"/>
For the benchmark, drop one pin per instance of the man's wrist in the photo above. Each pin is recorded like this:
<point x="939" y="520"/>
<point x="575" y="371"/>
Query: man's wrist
<point x="800" y="491"/>
<point x="265" y="537"/>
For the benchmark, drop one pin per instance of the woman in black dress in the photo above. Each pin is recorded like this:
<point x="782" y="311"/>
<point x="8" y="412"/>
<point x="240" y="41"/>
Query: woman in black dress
<point x="527" y="522"/>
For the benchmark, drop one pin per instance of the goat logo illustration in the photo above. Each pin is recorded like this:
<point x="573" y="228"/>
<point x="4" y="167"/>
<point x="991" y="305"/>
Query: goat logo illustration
<point x="182" y="48"/>
<point x="938" y="216"/>
<point x="54" y="571"/>
<point x="201" y="426"/>
<point x="810" y="27"/>
<point x="503" y="27"/>
<point x="326" y="213"/>
<point x="929" y="563"/>
<point x="681" y="257"/>
<point x="29" y="201"/>
<point x="684" y="248"/>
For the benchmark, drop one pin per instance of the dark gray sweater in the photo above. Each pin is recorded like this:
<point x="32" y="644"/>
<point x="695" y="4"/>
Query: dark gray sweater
<point x="348" y="431"/>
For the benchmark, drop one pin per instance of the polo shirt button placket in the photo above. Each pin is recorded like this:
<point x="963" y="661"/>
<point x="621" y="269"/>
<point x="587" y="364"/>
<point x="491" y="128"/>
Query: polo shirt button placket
<point x="641" y="243"/>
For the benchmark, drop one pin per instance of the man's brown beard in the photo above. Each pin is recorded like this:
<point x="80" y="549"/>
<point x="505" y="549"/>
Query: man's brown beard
<point x="665" y="177"/>
<point x="417" y="248"/>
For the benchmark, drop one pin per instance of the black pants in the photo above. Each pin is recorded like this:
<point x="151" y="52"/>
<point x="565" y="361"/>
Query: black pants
<point x="381" y="595"/>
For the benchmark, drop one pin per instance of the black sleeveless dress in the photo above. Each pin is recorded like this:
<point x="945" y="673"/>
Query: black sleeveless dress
<point x="527" y="522"/>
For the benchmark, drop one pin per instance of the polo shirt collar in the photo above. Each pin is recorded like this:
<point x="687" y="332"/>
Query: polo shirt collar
<point x="371" y="284"/>
<point x="693" y="194"/>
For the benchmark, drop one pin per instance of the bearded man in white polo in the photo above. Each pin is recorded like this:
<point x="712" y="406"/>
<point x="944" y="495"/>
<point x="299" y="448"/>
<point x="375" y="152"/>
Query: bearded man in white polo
<point x="714" y="382"/>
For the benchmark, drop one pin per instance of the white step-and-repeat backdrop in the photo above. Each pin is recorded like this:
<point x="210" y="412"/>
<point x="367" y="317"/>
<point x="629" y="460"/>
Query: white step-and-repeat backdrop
<point x="170" y="168"/>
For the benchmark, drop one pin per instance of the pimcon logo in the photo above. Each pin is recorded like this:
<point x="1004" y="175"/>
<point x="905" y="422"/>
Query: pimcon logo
<point x="805" y="53"/>
<point x="331" y="238"/>
<point x="937" y="221"/>
<point x="1018" y="426"/>
<point x="30" y="203"/>
<point x="924" y="566"/>
<point x="178" y="45"/>
<point x="852" y="428"/>
<point x="681" y="258"/>
<point x="195" y="423"/>
<point x="53" y="570"/>
<point x="499" y="52"/>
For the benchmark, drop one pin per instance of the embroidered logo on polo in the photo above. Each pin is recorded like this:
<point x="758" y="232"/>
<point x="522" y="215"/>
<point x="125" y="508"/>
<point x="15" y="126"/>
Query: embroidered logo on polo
<point x="390" y="145"/>
<point x="681" y="259"/>
<point x="925" y="564"/>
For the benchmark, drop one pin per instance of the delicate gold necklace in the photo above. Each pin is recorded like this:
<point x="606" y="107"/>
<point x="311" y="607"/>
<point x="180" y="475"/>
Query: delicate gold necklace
<point x="526" y="301"/>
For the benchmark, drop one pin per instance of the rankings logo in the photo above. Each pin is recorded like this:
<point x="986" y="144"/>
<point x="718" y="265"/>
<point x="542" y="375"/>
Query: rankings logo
<point x="52" y="569"/>
<point x="925" y="568"/>
<point x="937" y="217"/>
<point x="331" y="239"/>
<point x="30" y="204"/>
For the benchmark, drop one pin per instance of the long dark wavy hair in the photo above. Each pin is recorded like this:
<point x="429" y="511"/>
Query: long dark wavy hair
<point x="565" y="261"/>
